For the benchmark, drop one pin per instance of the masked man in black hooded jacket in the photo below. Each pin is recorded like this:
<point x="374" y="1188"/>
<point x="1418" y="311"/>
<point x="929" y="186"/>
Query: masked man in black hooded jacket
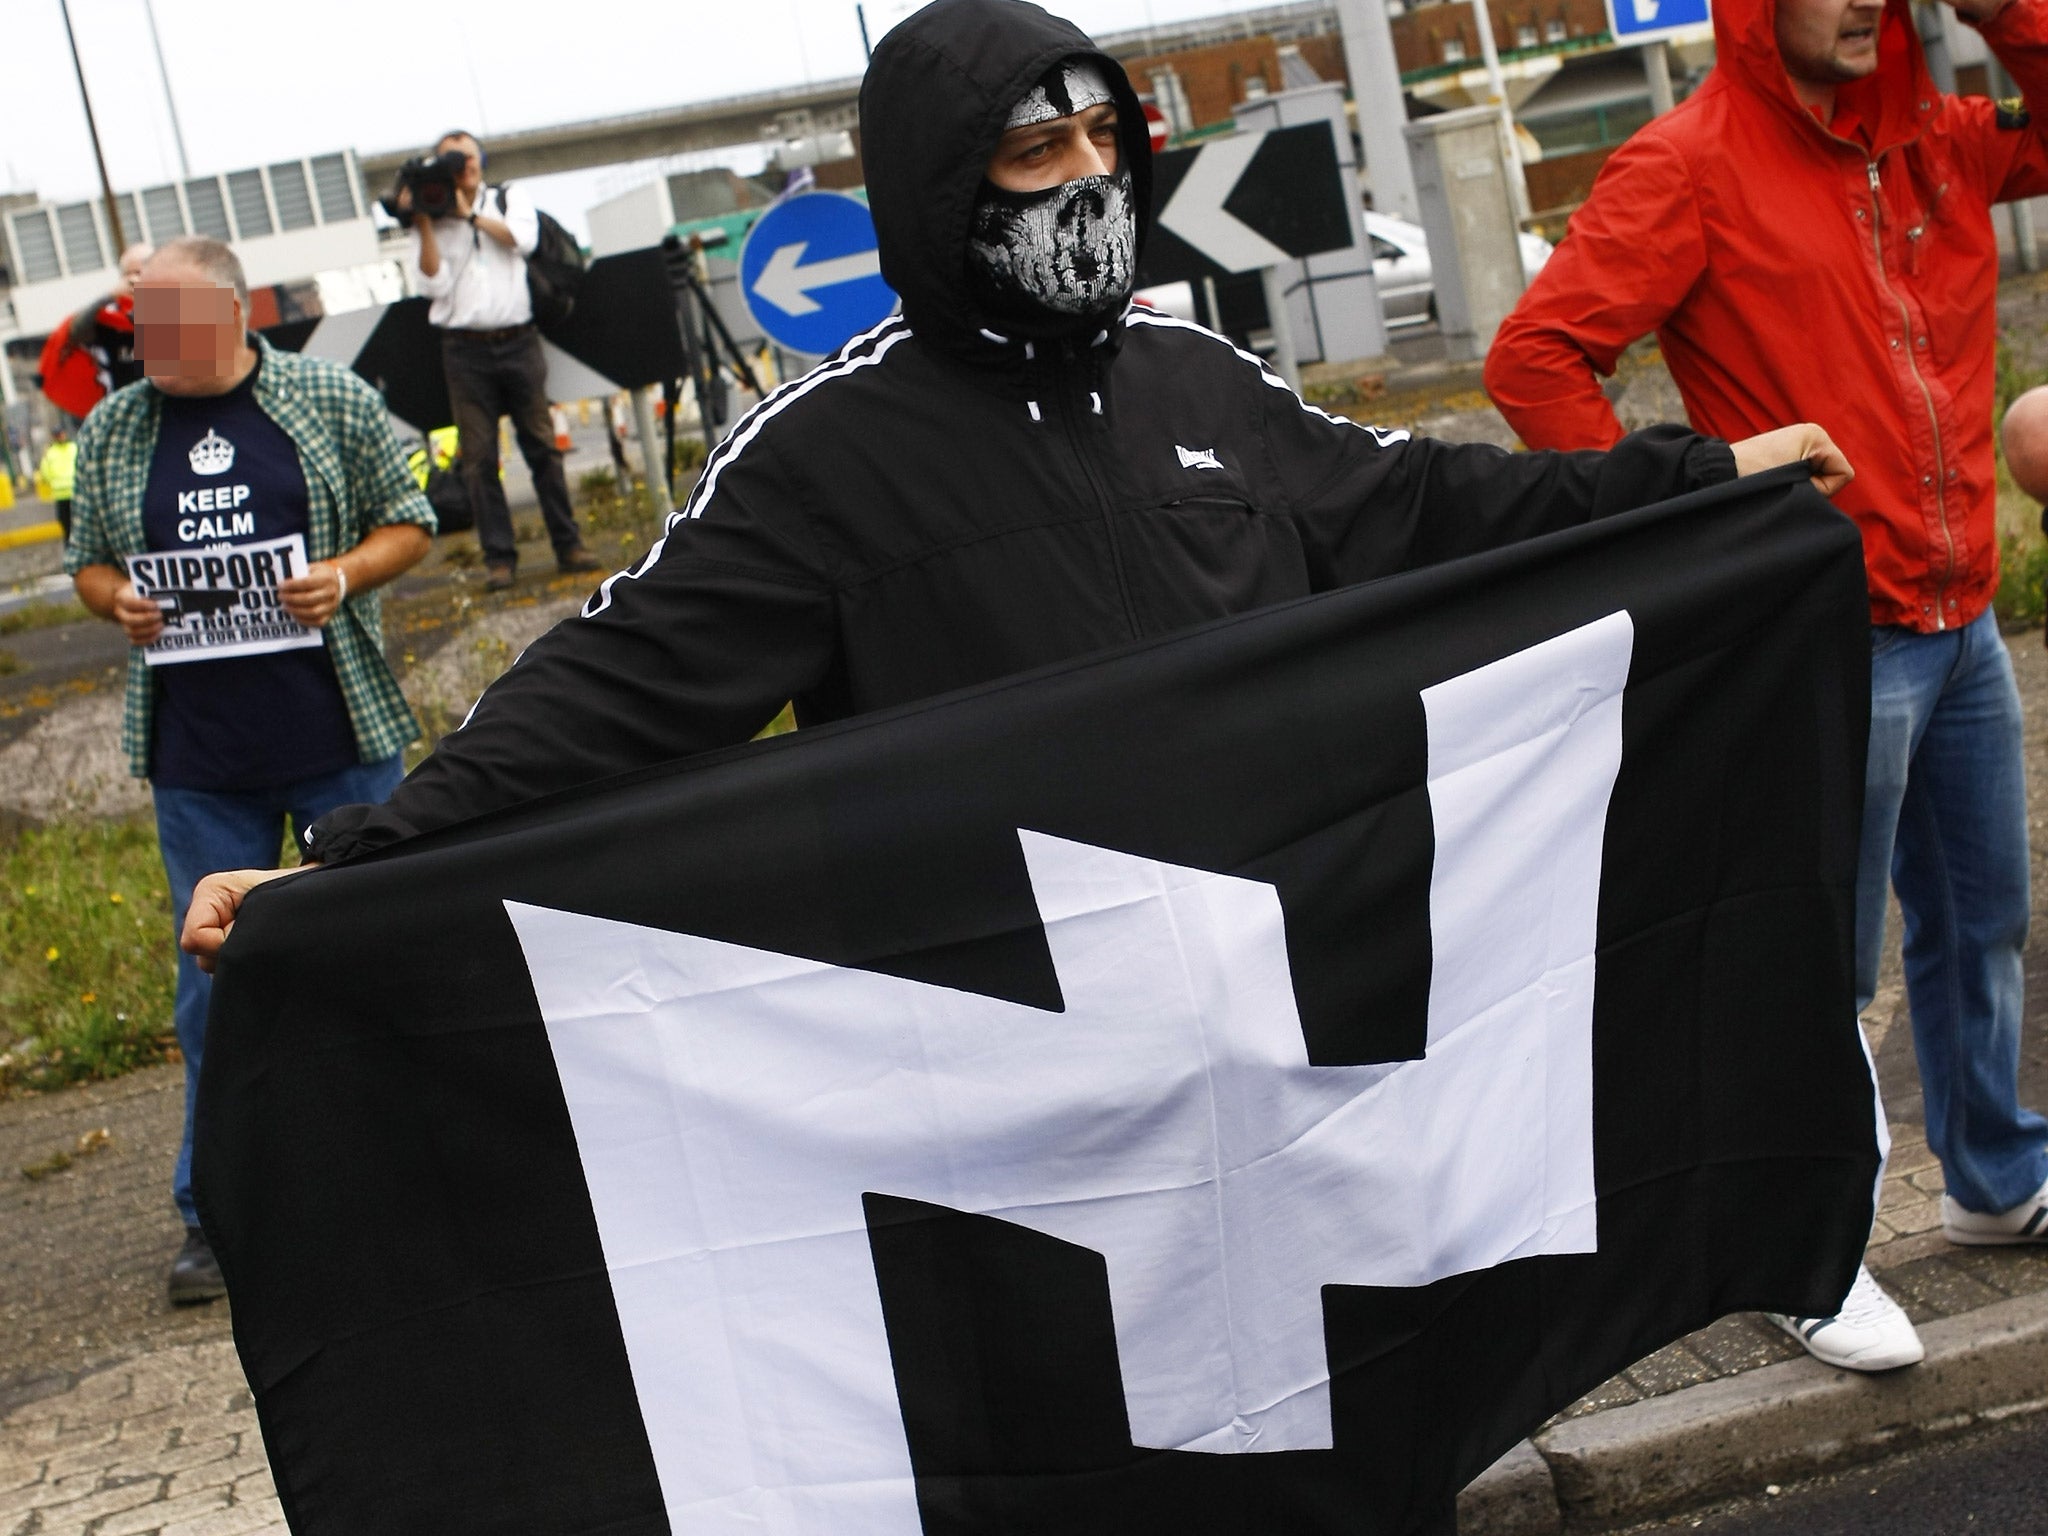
<point x="1021" y="467"/>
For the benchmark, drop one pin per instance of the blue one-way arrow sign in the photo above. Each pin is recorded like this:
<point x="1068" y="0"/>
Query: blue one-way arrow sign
<point x="811" y="274"/>
<point x="1649" y="21"/>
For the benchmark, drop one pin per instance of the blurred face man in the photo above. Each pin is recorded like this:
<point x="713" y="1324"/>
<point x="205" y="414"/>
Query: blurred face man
<point x="133" y="260"/>
<point x="1826" y="43"/>
<point x="2025" y="436"/>
<point x="472" y="177"/>
<point x="1054" y="233"/>
<point x="190" y="329"/>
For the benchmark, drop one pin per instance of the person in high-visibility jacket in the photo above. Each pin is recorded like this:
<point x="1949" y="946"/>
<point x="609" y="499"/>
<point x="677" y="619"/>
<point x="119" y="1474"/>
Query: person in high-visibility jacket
<point x="441" y="443"/>
<point x="56" y="474"/>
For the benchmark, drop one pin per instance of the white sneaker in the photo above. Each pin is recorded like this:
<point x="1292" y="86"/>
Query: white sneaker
<point x="1870" y="1333"/>
<point x="2026" y="1222"/>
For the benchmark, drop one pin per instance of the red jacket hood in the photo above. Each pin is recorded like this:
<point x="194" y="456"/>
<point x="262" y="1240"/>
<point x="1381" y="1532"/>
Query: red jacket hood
<point x="1896" y="100"/>
<point x="1842" y="273"/>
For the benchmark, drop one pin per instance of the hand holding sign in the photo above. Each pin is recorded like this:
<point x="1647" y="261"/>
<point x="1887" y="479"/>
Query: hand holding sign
<point x="228" y="600"/>
<point x="140" y="618"/>
<point x="314" y="596"/>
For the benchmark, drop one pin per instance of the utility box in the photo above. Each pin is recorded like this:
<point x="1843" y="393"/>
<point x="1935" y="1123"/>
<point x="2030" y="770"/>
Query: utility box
<point x="1468" y="212"/>
<point x="1332" y="301"/>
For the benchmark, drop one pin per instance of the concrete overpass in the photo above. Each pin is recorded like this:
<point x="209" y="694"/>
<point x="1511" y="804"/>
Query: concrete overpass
<point x="832" y="104"/>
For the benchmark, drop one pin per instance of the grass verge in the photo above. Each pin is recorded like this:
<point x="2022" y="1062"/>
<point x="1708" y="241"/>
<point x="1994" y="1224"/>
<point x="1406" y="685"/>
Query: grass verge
<point x="85" y="966"/>
<point x="30" y="616"/>
<point x="2022" y="572"/>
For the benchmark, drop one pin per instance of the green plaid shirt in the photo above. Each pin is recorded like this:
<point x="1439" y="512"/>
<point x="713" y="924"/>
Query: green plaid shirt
<point x="356" y="480"/>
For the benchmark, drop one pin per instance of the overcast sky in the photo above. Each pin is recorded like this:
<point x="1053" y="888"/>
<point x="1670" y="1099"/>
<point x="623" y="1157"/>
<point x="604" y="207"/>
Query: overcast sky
<point x="259" y="80"/>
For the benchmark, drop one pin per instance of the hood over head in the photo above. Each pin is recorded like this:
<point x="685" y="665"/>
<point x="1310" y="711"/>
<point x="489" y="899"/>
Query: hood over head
<point x="938" y="92"/>
<point x="1892" y="102"/>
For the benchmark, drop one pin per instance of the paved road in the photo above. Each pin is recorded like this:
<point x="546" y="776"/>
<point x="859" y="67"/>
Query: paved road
<point x="1990" y="1485"/>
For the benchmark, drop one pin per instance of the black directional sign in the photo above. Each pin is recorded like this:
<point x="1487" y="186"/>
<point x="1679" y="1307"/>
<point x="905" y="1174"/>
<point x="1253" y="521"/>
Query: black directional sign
<point x="1245" y="202"/>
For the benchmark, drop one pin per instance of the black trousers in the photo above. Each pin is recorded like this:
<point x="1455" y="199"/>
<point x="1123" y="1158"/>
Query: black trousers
<point x="496" y="375"/>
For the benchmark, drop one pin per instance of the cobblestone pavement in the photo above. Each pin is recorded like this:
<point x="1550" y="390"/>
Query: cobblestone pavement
<point x="165" y="1443"/>
<point x="84" y="1249"/>
<point x="119" y="1413"/>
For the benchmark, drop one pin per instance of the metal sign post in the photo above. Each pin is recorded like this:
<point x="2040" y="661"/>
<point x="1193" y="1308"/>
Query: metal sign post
<point x="1646" y="25"/>
<point x="1497" y="88"/>
<point x="650" y="448"/>
<point x="1285" y="361"/>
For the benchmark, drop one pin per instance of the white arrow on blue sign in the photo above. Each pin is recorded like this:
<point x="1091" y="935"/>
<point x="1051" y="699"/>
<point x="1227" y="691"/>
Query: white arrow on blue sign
<point x="1645" y="21"/>
<point x="811" y="274"/>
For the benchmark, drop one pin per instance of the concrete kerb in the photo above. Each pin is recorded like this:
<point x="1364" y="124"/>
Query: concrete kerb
<point x="1777" y="1424"/>
<point x="1516" y="1496"/>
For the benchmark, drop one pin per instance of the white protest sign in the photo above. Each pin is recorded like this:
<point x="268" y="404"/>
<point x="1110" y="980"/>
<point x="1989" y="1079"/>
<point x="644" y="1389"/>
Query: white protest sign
<point x="222" y="601"/>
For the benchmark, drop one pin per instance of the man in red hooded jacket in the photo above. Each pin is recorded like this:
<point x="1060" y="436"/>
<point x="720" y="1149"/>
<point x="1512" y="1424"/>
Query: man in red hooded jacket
<point x="1810" y="237"/>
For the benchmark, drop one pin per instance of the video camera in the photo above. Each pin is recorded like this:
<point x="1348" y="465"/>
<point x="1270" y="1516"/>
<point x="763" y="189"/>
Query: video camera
<point x="432" y="180"/>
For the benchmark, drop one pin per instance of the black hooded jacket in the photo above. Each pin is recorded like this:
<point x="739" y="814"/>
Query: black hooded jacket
<point x="941" y="504"/>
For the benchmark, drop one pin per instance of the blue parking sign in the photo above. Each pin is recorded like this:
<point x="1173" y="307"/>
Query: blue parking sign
<point x="811" y="274"/>
<point x="1643" y="21"/>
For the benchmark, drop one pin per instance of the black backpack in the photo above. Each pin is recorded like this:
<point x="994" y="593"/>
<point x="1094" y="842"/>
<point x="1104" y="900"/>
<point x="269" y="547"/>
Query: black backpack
<point x="554" y="271"/>
<point x="443" y="488"/>
<point x="449" y="498"/>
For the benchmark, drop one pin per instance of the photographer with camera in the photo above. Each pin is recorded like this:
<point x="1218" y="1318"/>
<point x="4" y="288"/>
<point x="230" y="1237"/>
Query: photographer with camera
<point x="470" y="248"/>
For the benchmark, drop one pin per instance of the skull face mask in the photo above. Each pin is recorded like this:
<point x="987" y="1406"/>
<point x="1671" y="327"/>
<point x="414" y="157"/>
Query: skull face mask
<point x="1066" y="252"/>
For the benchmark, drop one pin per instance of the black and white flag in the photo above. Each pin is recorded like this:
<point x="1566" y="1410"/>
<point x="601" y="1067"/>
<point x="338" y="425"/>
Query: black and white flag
<point x="1243" y="1083"/>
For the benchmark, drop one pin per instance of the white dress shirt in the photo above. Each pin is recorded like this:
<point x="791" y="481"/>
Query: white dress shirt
<point x="481" y="285"/>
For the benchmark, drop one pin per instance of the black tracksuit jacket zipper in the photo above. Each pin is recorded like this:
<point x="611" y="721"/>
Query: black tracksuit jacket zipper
<point x="1065" y="397"/>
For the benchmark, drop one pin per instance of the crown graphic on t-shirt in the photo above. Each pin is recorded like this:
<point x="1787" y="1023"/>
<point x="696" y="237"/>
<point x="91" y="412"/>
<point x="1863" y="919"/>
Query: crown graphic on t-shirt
<point x="212" y="454"/>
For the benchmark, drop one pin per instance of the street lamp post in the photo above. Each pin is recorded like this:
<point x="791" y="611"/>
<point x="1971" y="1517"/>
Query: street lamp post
<point x="1497" y="88"/>
<point x="177" y="133"/>
<point x="1376" y="95"/>
<point x="92" y="128"/>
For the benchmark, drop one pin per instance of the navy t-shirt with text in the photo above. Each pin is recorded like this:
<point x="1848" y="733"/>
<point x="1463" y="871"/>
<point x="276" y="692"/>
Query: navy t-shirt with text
<point x="237" y="722"/>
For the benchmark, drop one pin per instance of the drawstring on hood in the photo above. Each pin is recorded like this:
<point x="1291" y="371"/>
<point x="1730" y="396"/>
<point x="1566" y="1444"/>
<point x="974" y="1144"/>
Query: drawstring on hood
<point x="939" y="93"/>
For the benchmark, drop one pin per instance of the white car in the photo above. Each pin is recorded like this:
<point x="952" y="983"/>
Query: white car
<point x="1400" y="269"/>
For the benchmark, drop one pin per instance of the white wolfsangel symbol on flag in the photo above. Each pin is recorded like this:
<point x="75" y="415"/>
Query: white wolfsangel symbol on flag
<point x="212" y="454"/>
<point x="731" y="1106"/>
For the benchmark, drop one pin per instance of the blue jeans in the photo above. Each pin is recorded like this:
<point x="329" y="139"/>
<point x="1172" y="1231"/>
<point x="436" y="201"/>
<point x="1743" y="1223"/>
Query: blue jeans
<point x="202" y="831"/>
<point x="1945" y="812"/>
